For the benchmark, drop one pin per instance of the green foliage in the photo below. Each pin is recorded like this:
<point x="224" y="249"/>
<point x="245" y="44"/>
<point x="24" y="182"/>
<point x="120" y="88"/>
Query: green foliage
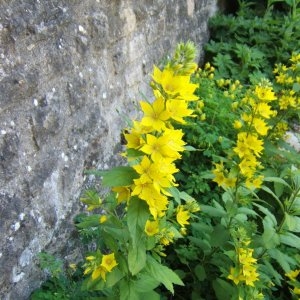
<point x="253" y="40"/>
<point x="64" y="282"/>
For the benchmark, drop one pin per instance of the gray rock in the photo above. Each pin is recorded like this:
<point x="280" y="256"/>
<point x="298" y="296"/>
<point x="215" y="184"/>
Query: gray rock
<point x="69" y="70"/>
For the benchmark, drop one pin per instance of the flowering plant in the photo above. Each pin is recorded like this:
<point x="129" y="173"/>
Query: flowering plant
<point x="145" y="212"/>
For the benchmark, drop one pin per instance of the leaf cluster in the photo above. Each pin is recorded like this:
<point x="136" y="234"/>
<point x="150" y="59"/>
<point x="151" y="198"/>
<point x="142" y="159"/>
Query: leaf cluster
<point x="248" y="42"/>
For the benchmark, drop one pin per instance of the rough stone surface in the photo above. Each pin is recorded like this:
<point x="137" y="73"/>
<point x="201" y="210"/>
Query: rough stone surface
<point x="68" y="71"/>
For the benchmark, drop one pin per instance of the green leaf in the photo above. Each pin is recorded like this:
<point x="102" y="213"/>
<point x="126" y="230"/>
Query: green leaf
<point x="270" y="237"/>
<point x="284" y="260"/>
<point x="290" y="239"/>
<point x="109" y="241"/>
<point x="134" y="153"/>
<point x="175" y="194"/>
<point x="89" y="221"/>
<point x="266" y="189"/>
<point x="118" y="176"/>
<point x="213" y="211"/>
<point x="279" y="184"/>
<point x="127" y="291"/>
<point x="292" y="223"/>
<point x="269" y="271"/>
<point x="190" y="148"/>
<point x="113" y="277"/>
<point x="146" y="283"/>
<point x="163" y="274"/>
<point x="220" y="236"/>
<point x="296" y="87"/>
<point x="201" y="243"/>
<point x="247" y="211"/>
<point x="136" y="257"/>
<point x="267" y="213"/>
<point x="117" y="233"/>
<point x="149" y="296"/>
<point x="276" y="179"/>
<point x="186" y="197"/>
<point x="91" y="199"/>
<point x="223" y="290"/>
<point x="137" y="215"/>
<point x="200" y="272"/>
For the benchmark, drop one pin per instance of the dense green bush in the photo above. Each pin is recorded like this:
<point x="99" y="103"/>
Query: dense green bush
<point x="254" y="39"/>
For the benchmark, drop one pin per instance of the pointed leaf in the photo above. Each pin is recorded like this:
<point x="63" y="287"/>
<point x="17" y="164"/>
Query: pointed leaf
<point x="292" y="223"/>
<point x="146" y="283"/>
<point x="137" y="215"/>
<point x="136" y="258"/>
<point x="118" y="176"/>
<point x="163" y="274"/>
<point x="284" y="260"/>
<point x="290" y="239"/>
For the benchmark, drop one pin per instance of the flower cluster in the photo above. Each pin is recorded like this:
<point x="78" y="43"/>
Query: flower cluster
<point x="294" y="281"/>
<point x="157" y="142"/>
<point x="245" y="269"/>
<point x="288" y="78"/>
<point x="153" y="144"/>
<point x="253" y="127"/>
<point x="99" y="265"/>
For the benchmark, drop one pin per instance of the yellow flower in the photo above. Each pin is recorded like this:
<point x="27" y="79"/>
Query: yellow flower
<point x="260" y="126"/>
<point x="173" y="139"/>
<point x="143" y="187"/>
<point x="103" y="219"/>
<point x="183" y="230"/>
<point x="123" y="193"/>
<point x="235" y="275"/>
<point x="219" y="177"/>
<point x="155" y="115"/>
<point x="134" y="137"/>
<point x="292" y="275"/>
<point x="230" y="181"/>
<point x="265" y="93"/>
<point x="237" y="124"/>
<point x="176" y="87"/>
<point x="254" y="183"/>
<point x="247" y="265"/>
<point x="99" y="272"/>
<point x="254" y="144"/>
<point x="178" y="110"/>
<point x="296" y="291"/>
<point x="158" y="204"/>
<point x="166" y="237"/>
<point x="157" y="148"/>
<point x="242" y="149"/>
<point x="250" y="274"/>
<point x="153" y="171"/>
<point x="264" y="110"/>
<point x="287" y="100"/>
<point x="247" y="142"/>
<point x="248" y="166"/>
<point x="166" y="146"/>
<point x="280" y="78"/>
<point x="151" y="227"/>
<point x="182" y="216"/>
<point x="192" y="205"/>
<point x="108" y="262"/>
<point x="90" y="258"/>
<point x="73" y="267"/>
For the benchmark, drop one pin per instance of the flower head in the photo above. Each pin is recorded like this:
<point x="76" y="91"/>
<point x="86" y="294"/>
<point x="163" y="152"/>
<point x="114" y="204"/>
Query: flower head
<point x="182" y="216"/>
<point x="108" y="262"/>
<point x="152" y="227"/>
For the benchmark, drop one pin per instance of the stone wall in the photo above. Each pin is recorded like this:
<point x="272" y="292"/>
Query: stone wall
<point x="69" y="70"/>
